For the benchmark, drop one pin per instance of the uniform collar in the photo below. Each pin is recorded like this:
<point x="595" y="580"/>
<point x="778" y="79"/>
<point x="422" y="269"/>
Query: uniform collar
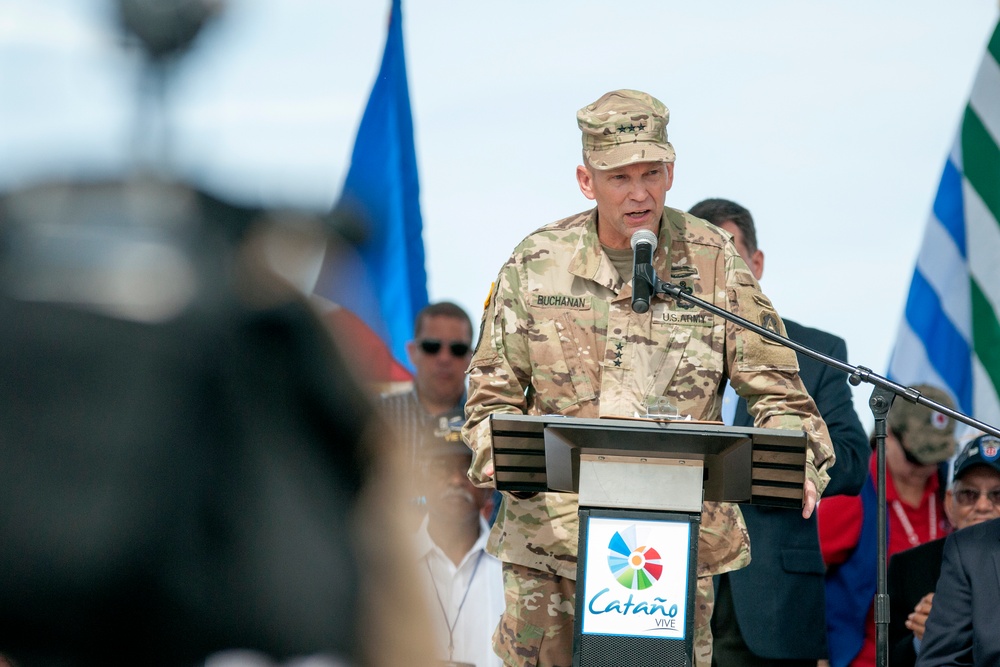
<point x="589" y="261"/>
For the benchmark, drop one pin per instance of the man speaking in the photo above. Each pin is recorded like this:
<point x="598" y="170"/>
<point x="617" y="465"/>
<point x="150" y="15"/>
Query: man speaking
<point x="559" y="336"/>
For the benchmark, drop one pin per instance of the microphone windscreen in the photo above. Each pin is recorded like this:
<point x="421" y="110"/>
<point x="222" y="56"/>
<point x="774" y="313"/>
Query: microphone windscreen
<point x="643" y="236"/>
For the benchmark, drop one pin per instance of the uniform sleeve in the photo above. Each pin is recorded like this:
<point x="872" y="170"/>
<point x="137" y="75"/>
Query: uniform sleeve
<point x="766" y="373"/>
<point x="835" y="402"/>
<point x="839" y="519"/>
<point x="499" y="373"/>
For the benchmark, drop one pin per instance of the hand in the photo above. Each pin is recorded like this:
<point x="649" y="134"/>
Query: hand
<point x="808" y="498"/>
<point x="488" y="469"/>
<point x="917" y="620"/>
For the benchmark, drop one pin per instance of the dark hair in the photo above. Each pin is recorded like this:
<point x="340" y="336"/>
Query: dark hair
<point x="718" y="211"/>
<point x="441" y="309"/>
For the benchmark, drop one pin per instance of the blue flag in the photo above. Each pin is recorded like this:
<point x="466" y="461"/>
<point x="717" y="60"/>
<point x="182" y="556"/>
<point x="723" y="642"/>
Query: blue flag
<point x="385" y="284"/>
<point x="950" y="333"/>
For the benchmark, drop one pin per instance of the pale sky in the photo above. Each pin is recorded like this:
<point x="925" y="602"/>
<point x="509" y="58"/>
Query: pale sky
<point x="830" y="121"/>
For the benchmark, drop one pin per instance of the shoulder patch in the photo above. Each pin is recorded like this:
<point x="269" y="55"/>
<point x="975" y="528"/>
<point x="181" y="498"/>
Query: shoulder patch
<point x="769" y="321"/>
<point x="486" y="304"/>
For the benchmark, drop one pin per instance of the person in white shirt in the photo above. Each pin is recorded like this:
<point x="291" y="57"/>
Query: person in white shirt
<point x="465" y="583"/>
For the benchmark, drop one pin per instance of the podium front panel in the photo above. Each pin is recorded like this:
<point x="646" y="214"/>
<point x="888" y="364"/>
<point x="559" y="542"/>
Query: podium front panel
<point x="621" y="482"/>
<point x="636" y="582"/>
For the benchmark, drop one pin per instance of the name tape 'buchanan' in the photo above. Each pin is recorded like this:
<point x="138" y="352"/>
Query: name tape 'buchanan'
<point x="562" y="301"/>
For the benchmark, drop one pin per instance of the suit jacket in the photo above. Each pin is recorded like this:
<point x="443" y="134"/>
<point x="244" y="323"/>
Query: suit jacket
<point x="779" y="599"/>
<point x="912" y="575"/>
<point x="962" y="626"/>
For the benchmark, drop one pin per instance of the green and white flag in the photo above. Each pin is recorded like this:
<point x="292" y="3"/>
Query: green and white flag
<point x="950" y="333"/>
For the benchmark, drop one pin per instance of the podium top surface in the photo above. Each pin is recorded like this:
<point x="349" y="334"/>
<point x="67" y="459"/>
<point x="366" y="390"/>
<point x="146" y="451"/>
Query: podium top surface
<point x="528" y="423"/>
<point x="773" y="459"/>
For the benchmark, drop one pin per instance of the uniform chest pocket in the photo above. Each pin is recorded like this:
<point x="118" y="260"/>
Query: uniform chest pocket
<point x="562" y="364"/>
<point x="662" y="356"/>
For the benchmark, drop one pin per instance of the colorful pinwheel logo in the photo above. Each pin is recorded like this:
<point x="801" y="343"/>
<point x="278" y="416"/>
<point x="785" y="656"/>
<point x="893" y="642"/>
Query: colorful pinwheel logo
<point x="635" y="567"/>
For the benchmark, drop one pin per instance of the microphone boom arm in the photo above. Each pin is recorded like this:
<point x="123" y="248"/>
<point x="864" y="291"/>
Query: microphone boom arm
<point x="882" y="396"/>
<point x="856" y="374"/>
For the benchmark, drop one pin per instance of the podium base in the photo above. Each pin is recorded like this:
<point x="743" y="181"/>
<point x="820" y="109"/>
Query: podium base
<point x="594" y="651"/>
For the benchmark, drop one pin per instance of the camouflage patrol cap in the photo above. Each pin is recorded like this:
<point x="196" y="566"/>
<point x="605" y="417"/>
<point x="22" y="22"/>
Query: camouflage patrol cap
<point x="623" y="127"/>
<point x="927" y="435"/>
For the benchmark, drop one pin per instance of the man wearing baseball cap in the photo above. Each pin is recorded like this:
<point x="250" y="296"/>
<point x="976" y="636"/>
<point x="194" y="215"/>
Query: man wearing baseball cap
<point x="974" y="497"/>
<point x="559" y="336"/>
<point x="918" y="445"/>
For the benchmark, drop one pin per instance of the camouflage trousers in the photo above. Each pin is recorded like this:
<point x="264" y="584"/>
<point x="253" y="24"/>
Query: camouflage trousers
<point x="536" y="629"/>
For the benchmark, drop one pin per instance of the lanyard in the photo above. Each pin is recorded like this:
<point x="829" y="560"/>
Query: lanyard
<point x="911" y="534"/>
<point x="452" y="625"/>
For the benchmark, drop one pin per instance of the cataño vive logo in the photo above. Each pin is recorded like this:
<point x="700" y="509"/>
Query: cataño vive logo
<point x="637" y="567"/>
<point x="633" y="565"/>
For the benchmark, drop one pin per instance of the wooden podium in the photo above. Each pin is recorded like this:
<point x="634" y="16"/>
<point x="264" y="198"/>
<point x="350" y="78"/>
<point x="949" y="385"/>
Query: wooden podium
<point x="641" y="484"/>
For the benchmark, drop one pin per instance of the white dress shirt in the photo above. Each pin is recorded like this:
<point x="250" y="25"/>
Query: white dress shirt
<point x="477" y="579"/>
<point x="729" y="400"/>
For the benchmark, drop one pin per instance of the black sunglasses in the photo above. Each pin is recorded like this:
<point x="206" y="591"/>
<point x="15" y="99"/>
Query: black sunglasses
<point x="433" y="346"/>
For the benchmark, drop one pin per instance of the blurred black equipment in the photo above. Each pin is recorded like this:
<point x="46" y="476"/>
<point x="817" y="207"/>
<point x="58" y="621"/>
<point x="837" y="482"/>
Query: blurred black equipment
<point x="180" y="442"/>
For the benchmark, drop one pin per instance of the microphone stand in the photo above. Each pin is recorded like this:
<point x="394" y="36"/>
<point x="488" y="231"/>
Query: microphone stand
<point x="883" y="394"/>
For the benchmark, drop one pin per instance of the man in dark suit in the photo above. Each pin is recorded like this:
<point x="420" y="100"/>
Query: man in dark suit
<point x="962" y="626"/>
<point x="786" y="625"/>
<point x="973" y="498"/>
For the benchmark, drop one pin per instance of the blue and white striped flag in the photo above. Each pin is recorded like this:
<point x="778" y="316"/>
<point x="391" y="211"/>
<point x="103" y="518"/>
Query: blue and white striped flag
<point x="950" y="333"/>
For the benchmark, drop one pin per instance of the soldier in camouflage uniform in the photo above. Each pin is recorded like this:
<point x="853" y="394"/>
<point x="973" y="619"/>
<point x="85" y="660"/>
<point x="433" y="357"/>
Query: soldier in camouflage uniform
<point x="559" y="337"/>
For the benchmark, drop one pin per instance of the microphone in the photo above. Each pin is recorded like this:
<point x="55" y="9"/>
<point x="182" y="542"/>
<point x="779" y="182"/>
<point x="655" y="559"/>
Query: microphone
<point x="643" y="242"/>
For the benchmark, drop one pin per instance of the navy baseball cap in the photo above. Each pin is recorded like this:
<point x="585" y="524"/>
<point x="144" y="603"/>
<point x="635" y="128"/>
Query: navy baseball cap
<point x="983" y="451"/>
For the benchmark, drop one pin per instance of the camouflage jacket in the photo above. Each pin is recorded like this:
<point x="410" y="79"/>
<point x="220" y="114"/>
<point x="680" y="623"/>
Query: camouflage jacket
<point x="559" y="337"/>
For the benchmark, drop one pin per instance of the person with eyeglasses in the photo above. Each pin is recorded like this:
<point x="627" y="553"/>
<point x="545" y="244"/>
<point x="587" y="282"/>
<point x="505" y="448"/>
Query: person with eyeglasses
<point x="440" y="353"/>
<point x="973" y="498"/>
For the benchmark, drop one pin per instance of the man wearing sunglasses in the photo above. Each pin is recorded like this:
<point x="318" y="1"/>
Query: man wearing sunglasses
<point x="440" y="352"/>
<point x="974" y="497"/>
<point x="560" y="337"/>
